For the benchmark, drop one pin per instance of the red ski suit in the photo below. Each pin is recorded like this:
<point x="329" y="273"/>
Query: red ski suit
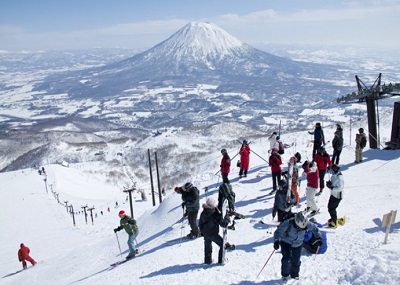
<point x="23" y="254"/>
<point x="244" y="157"/>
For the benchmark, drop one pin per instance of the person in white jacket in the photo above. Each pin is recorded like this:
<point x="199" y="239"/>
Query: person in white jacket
<point x="336" y="184"/>
<point x="273" y="142"/>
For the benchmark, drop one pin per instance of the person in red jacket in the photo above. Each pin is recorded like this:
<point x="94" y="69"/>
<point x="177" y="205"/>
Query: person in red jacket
<point x="275" y="162"/>
<point x="225" y="166"/>
<point x="311" y="170"/>
<point x="323" y="161"/>
<point x="244" y="159"/>
<point x="23" y="255"/>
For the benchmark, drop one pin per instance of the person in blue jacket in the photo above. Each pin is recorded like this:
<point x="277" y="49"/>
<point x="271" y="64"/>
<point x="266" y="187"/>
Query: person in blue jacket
<point x="312" y="243"/>
<point x="289" y="236"/>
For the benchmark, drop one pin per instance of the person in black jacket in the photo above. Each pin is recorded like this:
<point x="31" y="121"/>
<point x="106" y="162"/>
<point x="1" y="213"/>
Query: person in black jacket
<point x="337" y="144"/>
<point x="190" y="198"/>
<point x="319" y="138"/>
<point x="210" y="221"/>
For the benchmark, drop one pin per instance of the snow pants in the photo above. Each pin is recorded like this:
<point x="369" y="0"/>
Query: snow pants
<point x="290" y="261"/>
<point x="208" y="247"/>
<point x="131" y="242"/>
<point x="296" y="193"/>
<point x="310" y="195"/>
<point x="359" y="156"/>
<point x="332" y="206"/>
<point x="28" y="258"/>
<point x="192" y="218"/>
<point x="336" y="156"/>
<point x="322" y="179"/>
<point x="225" y="178"/>
<point x="276" y="177"/>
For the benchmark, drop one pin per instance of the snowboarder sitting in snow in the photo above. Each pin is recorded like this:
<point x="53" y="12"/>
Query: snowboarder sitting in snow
<point x="131" y="228"/>
<point x="314" y="244"/>
<point x="290" y="235"/>
<point x="190" y="198"/>
<point x="23" y="255"/>
<point x="210" y="221"/>
<point x="336" y="184"/>
<point x="281" y="205"/>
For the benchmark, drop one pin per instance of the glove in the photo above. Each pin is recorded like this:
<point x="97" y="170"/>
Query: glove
<point x="329" y="184"/>
<point x="19" y="259"/>
<point x="276" y="245"/>
<point x="273" y="214"/>
<point x="115" y="230"/>
<point x="318" y="242"/>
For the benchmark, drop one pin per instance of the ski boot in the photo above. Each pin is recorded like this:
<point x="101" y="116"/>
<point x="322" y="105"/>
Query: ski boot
<point x="333" y="224"/>
<point x="229" y="246"/>
<point x="341" y="221"/>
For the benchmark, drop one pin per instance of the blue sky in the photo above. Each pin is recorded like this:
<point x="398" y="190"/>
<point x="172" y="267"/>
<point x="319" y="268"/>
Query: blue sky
<point x="73" y="24"/>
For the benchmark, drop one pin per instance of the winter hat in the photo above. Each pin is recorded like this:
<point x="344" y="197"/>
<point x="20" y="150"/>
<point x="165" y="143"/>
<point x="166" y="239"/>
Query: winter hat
<point x="244" y="142"/>
<point x="223" y="151"/>
<point x="176" y="189"/>
<point x="275" y="150"/>
<point x="211" y="202"/>
<point x="335" y="168"/>
<point x="121" y="213"/>
<point x="361" y="130"/>
<point x="318" y="125"/>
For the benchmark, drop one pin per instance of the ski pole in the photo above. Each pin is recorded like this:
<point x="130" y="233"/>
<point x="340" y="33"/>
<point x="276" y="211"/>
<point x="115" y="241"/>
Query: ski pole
<point x="119" y="246"/>
<point x="266" y="263"/>
<point x="316" y="253"/>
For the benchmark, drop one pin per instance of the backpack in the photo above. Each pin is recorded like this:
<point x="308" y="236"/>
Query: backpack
<point x="363" y="141"/>
<point x="281" y="148"/>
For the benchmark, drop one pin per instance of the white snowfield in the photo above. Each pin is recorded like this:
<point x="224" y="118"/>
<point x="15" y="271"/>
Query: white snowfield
<point x="82" y="254"/>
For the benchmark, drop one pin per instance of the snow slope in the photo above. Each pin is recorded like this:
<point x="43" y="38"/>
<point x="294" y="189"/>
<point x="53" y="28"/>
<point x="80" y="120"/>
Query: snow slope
<point x="83" y="254"/>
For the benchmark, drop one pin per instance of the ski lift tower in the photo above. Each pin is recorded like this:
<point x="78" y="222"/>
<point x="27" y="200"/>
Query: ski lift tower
<point x="370" y="95"/>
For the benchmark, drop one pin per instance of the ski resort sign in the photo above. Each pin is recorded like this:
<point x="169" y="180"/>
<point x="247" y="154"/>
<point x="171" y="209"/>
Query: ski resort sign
<point x="387" y="220"/>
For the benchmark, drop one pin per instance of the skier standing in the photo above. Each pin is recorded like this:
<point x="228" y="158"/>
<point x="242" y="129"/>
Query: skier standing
<point x="336" y="184"/>
<point x="361" y="142"/>
<point x="23" y="255"/>
<point x="275" y="162"/>
<point x="289" y="236"/>
<point x="130" y="226"/>
<point x="190" y="198"/>
<point x="311" y="170"/>
<point x="272" y="142"/>
<point x="225" y="191"/>
<point x="337" y="144"/>
<point x="323" y="161"/>
<point x="210" y="221"/>
<point x="281" y="205"/>
<point x="225" y="166"/>
<point x="319" y="138"/>
<point x="244" y="159"/>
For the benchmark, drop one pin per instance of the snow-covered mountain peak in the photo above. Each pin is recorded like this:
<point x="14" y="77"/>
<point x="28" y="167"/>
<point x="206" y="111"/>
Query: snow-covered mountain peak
<point x="201" y="40"/>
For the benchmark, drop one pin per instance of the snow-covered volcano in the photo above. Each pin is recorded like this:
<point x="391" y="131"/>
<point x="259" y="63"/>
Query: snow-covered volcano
<point x="198" y="53"/>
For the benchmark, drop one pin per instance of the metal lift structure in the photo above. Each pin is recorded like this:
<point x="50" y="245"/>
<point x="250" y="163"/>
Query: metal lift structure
<point x="370" y="95"/>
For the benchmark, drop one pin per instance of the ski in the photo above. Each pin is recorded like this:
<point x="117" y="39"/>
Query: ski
<point x="224" y="234"/>
<point x="137" y="252"/>
<point x="310" y="215"/>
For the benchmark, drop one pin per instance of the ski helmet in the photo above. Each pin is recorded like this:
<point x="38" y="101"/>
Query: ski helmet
<point x="335" y="168"/>
<point x="187" y="186"/>
<point x="361" y="130"/>
<point x="300" y="220"/>
<point x="223" y="151"/>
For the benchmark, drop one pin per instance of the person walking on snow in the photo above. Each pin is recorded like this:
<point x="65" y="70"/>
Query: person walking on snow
<point x="361" y="142"/>
<point x="289" y="236"/>
<point x="337" y="144"/>
<point x="275" y="163"/>
<point x="225" y="166"/>
<point x="244" y="153"/>
<point x="336" y="184"/>
<point x="319" y="138"/>
<point x="323" y="162"/>
<point x="23" y="256"/>
<point x="190" y="198"/>
<point x="210" y="221"/>
<point x="130" y="226"/>
<point x="311" y="171"/>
